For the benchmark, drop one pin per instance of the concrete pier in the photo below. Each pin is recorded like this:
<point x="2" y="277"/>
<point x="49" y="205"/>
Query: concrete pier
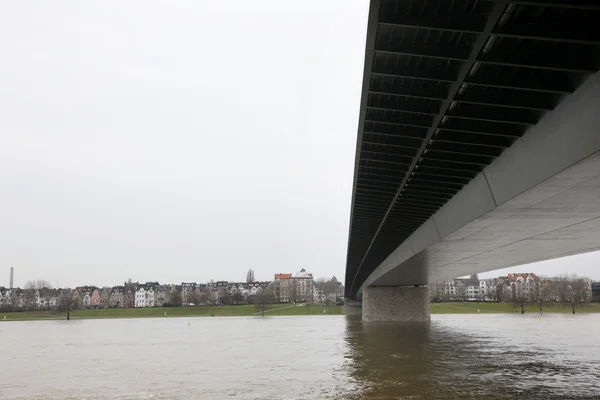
<point x="352" y="308"/>
<point x="404" y="303"/>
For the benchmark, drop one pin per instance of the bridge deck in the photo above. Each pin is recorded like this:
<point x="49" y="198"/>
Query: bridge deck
<point x="448" y="86"/>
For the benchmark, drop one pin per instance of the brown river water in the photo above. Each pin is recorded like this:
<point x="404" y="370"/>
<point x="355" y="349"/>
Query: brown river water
<point x="321" y="357"/>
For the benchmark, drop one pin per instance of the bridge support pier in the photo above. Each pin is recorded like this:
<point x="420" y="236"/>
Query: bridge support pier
<point x="404" y="303"/>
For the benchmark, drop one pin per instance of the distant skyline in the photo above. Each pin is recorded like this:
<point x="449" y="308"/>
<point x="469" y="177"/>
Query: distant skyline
<point x="581" y="265"/>
<point x="182" y="140"/>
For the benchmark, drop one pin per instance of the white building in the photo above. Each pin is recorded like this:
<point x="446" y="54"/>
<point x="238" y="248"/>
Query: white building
<point x="246" y="289"/>
<point x="303" y="286"/>
<point x="46" y="298"/>
<point x="85" y="294"/>
<point x="487" y="288"/>
<point x="144" y="296"/>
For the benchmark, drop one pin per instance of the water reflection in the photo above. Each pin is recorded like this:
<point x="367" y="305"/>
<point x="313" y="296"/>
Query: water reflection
<point x="492" y="357"/>
<point x="388" y="358"/>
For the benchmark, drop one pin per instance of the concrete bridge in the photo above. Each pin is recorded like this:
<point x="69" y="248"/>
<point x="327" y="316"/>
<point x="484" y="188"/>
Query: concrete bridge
<point x="478" y="144"/>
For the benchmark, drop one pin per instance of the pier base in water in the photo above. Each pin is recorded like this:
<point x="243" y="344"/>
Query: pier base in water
<point x="404" y="303"/>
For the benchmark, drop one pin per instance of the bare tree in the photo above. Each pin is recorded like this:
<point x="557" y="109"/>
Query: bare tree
<point x="31" y="292"/>
<point x="520" y="295"/>
<point x="263" y="298"/>
<point x="194" y="297"/>
<point x="544" y="293"/>
<point x="329" y="288"/>
<point x="205" y="296"/>
<point x="68" y="301"/>
<point x="490" y="294"/>
<point x="461" y="291"/>
<point x="328" y="304"/>
<point x="293" y="291"/>
<point x="237" y="298"/>
<point x="250" y="276"/>
<point x="573" y="292"/>
<point x="225" y="297"/>
<point x="319" y="284"/>
<point x="174" y="298"/>
<point x="326" y="286"/>
<point x="436" y="292"/>
<point x="500" y="291"/>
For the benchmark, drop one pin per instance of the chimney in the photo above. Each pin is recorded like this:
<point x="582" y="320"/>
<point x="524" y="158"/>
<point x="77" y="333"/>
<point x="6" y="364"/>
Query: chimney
<point x="12" y="276"/>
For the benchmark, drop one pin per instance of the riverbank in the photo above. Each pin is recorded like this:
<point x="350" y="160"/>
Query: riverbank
<point x="202" y="311"/>
<point x="280" y="310"/>
<point x="502" y="308"/>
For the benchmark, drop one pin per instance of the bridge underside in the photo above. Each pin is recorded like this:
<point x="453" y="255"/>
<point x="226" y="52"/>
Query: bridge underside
<point x="477" y="139"/>
<point x="539" y="200"/>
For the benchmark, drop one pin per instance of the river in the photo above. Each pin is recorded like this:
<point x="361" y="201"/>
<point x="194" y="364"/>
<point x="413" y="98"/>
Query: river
<point x="324" y="357"/>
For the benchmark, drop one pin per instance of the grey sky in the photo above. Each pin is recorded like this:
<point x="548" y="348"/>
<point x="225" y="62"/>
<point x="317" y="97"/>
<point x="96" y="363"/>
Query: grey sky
<point x="183" y="140"/>
<point x="177" y="140"/>
<point x="585" y="264"/>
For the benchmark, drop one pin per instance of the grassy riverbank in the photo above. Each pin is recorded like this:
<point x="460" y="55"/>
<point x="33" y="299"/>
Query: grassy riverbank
<point x="501" y="308"/>
<point x="280" y="310"/>
<point x="204" y="311"/>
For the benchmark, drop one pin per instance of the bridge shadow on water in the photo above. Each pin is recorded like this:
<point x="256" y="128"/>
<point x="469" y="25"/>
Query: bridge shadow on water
<point x="431" y="361"/>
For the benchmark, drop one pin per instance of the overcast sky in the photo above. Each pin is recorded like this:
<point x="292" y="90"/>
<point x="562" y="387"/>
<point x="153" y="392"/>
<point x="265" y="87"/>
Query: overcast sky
<point x="177" y="140"/>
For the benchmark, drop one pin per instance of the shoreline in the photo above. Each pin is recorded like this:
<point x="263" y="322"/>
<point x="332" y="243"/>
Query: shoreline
<point x="279" y="310"/>
<point x="173" y="312"/>
<point x="507" y="308"/>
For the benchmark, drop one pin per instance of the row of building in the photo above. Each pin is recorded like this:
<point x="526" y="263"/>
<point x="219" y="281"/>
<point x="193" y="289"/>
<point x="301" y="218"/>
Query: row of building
<point x="285" y="288"/>
<point x="503" y="288"/>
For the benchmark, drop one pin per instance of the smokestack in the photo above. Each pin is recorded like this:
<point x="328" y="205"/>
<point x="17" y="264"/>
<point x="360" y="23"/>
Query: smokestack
<point x="12" y="276"/>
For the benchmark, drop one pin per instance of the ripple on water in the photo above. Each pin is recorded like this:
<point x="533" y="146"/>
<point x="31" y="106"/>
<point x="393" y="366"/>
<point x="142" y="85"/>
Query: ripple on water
<point x="325" y="357"/>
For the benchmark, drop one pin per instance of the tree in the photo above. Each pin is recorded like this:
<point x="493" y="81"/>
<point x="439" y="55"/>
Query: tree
<point x="544" y="293"/>
<point x="436" y="292"/>
<point x="490" y="293"/>
<point x="507" y="293"/>
<point x="329" y="288"/>
<point x="520" y="295"/>
<point x="67" y="302"/>
<point x="237" y="298"/>
<point x="225" y="297"/>
<point x="31" y="292"/>
<point x="573" y="292"/>
<point x="174" y="298"/>
<point x="263" y="298"/>
<point x="328" y="304"/>
<point x="250" y="276"/>
<point x="461" y="291"/>
<point x="319" y="285"/>
<point x="194" y="298"/>
<point x="500" y="292"/>
<point x="326" y="286"/>
<point x="293" y="291"/>
<point x="205" y="295"/>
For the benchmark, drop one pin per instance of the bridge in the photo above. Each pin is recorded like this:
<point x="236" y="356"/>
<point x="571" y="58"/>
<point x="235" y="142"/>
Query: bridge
<point x="478" y="144"/>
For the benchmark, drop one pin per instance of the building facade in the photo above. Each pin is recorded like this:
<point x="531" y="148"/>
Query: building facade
<point x="282" y="287"/>
<point x="116" y="297"/>
<point x="105" y="297"/>
<point x="302" y="289"/>
<point x="144" y="296"/>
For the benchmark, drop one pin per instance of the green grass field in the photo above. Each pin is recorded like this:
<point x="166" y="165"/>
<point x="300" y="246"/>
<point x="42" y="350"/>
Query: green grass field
<point x="204" y="311"/>
<point x="279" y="310"/>
<point x="501" y="308"/>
